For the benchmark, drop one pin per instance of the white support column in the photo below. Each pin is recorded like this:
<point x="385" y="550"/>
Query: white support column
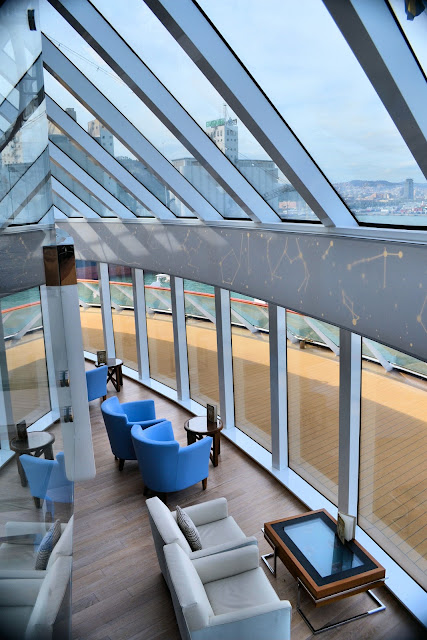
<point x="225" y="357"/>
<point x="349" y="421"/>
<point x="7" y="424"/>
<point x="107" y="317"/>
<point x="180" y="339"/>
<point x="140" y="324"/>
<point x="278" y="386"/>
<point x="50" y="361"/>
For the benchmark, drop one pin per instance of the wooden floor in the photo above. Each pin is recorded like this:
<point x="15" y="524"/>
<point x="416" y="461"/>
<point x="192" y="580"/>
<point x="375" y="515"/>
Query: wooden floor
<point x="118" y="591"/>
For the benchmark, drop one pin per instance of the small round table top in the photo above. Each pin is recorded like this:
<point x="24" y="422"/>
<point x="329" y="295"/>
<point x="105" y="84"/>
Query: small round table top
<point x="111" y="362"/>
<point x="201" y="426"/>
<point x="36" y="440"/>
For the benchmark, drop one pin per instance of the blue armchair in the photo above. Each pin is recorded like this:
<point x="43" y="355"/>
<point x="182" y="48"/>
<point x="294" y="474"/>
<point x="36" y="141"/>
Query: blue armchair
<point x="96" y="380"/>
<point x="164" y="465"/>
<point x="47" y="480"/>
<point x="120" y="418"/>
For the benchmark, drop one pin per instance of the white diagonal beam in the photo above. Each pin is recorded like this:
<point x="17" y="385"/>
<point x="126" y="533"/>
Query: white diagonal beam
<point x="377" y="42"/>
<point x="108" y="163"/>
<point x="79" y="175"/>
<point x="200" y="307"/>
<point x="99" y="34"/>
<point x="377" y="354"/>
<point x="74" y="202"/>
<point x="317" y="329"/>
<point x="92" y="99"/>
<point x="211" y="54"/>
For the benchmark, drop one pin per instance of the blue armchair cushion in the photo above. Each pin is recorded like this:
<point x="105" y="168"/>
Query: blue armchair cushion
<point x="96" y="381"/>
<point x="189" y="529"/>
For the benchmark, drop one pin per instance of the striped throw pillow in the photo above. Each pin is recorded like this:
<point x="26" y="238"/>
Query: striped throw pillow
<point x="189" y="529"/>
<point x="50" y="539"/>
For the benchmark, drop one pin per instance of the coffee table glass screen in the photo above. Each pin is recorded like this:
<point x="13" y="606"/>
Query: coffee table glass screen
<point x="314" y="543"/>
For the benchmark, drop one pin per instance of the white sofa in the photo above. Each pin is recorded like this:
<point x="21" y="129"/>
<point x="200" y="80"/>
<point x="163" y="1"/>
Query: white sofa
<point x="218" y="531"/>
<point x="30" y="599"/>
<point x="225" y="596"/>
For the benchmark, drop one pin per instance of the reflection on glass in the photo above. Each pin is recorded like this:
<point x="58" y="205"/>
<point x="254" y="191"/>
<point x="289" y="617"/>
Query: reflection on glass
<point x="393" y="474"/>
<point x="88" y="164"/>
<point x="251" y="368"/>
<point x="83" y="194"/>
<point x="63" y="206"/>
<point x="124" y="99"/>
<point x="90" y="306"/>
<point x="201" y="342"/>
<point x="159" y="328"/>
<point x="157" y="48"/>
<point x="309" y="72"/>
<point x="313" y="411"/>
<point x="122" y="309"/>
<point x="114" y="147"/>
<point x="25" y="355"/>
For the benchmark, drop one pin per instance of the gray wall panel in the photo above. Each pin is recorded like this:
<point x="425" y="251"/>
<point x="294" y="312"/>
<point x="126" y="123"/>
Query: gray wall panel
<point x="375" y="288"/>
<point x="21" y="260"/>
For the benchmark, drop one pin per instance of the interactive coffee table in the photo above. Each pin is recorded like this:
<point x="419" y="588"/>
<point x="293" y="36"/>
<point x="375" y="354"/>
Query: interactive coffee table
<point x="324" y="567"/>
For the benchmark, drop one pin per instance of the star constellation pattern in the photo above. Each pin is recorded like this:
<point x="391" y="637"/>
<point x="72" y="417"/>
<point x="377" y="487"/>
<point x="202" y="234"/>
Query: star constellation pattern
<point x="385" y="254"/>
<point x="225" y="263"/>
<point x="191" y="250"/>
<point x="285" y="254"/>
<point x="331" y="244"/>
<point x="420" y="315"/>
<point x="349" y="304"/>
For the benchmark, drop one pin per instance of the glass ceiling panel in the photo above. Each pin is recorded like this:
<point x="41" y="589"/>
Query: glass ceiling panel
<point x="88" y="164"/>
<point x="115" y="148"/>
<point x="157" y="48"/>
<point x="63" y="206"/>
<point x="83" y="194"/>
<point x="72" y="45"/>
<point x="302" y="62"/>
<point x="415" y="30"/>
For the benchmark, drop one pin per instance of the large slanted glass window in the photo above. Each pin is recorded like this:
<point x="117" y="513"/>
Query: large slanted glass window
<point x="159" y="328"/>
<point x="415" y="29"/>
<point x="189" y="86"/>
<point x="122" y="309"/>
<point x="251" y="367"/>
<point x="313" y="402"/>
<point x="113" y="146"/>
<point x="26" y="355"/>
<point x="123" y="98"/>
<point x="309" y="72"/>
<point x="90" y="306"/>
<point x="393" y="474"/>
<point x="201" y="342"/>
<point x="81" y="192"/>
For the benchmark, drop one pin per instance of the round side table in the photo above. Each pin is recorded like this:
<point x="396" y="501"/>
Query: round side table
<point x="199" y="427"/>
<point x="36" y="444"/>
<point x="115" y="373"/>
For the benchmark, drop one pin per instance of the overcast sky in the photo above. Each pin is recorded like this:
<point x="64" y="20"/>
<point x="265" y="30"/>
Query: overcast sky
<point x="295" y="52"/>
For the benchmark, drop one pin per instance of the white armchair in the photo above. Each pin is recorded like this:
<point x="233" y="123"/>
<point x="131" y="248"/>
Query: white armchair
<point x="225" y="596"/>
<point x="218" y="531"/>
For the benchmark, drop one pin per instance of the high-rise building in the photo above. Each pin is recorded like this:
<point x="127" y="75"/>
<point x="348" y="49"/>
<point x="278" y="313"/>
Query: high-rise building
<point x="225" y="135"/>
<point x="104" y="137"/>
<point x="408" y="189"/>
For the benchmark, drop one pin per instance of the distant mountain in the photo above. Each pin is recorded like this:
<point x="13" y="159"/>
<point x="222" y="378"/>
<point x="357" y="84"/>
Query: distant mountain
<point x="380" y="183"/>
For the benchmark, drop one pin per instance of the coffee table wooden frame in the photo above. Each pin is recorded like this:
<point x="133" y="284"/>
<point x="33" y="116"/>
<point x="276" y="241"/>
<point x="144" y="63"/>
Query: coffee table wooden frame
<point x="323" y="594"/>
<point x="198" y="427"/>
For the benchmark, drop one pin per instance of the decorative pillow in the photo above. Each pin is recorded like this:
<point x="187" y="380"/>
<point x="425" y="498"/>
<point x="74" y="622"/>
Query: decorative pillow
<point x="188" y="528"/>
<point x="50" y="539"/>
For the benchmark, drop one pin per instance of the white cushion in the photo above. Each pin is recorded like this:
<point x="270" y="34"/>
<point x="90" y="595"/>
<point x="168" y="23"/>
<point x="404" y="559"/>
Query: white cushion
<point x="205" y="512"/>
<point x="49" y="599"/>
<point x="188" y="588"/>
<point x="219" y="531"/>
<point x="18" y="592"/>
<point x="13" y="621"/>
<point x="64" y="546"/>
<point x="17" y="556"/>
<point x="189" y="529"/>
<point x="244" y="590"/>
<point x="166" y="524"/>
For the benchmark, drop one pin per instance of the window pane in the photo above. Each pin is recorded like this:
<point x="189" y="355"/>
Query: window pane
<point x="190" y="87"/>
<point x="393" y="473"/>
<point x="415" y="30"/>
<point x="309" y="72"/>
<point x="159" y="328"/>
<point x="251" y="368"/>
<point x="313" y="406"/>
<point x="201" y="342"/>
<point x="25" y="355"/>
<point x="122" y="309"/>
<point x="90" y="306"/>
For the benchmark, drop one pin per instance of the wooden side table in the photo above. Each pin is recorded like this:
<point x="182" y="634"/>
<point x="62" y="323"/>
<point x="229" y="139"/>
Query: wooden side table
<point x="115" y="374"/>
<point x="199" y="427"/>
<point x="37" y="443"/>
